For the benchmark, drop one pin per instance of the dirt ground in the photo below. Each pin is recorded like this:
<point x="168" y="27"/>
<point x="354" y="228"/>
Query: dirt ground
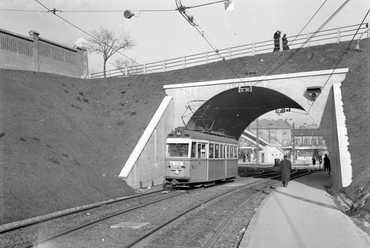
<point x="63" y="141"/>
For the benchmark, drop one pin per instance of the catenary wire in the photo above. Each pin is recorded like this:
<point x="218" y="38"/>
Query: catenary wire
<point x="343" y="54"/>
<point x="53" y="11"/>
<point x="304" y="43"/>
<point x="281" y="54"/>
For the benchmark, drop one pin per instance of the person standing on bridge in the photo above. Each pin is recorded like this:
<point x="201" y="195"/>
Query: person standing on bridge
<point x="285" y="167"/>
<point x="277" y="41"/>
<point x="285" y="43"/>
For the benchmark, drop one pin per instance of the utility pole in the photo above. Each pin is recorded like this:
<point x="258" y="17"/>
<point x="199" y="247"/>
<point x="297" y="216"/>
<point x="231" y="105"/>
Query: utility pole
<point x="293" y="147"/>
<point x="257" y="144"/>
<point x="269" y="131"/>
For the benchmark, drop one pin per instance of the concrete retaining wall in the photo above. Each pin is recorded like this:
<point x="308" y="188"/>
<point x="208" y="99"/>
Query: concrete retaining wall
<point x="37" y="54"/>
<point x="145" y="167"/>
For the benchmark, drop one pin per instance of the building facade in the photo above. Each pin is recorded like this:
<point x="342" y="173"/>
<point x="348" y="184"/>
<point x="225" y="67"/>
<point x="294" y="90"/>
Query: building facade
<point x="308" y="144"/>
<point x="37" y="54"/>
<point x="300" y="143"/>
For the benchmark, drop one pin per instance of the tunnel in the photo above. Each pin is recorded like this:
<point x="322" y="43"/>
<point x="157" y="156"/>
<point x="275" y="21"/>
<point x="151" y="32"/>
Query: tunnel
<point x="232" y="111"/>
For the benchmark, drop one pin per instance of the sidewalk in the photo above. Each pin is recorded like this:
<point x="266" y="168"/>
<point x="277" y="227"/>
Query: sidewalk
<point x="302" y="215"/>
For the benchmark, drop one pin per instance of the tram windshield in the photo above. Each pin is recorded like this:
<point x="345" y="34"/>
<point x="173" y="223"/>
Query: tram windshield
<point x="178" y="150"/>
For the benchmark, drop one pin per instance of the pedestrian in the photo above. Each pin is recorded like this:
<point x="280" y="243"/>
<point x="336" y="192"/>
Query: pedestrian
<point x="327" y="166"/>
<point x="285" y="43"/>
<point x="285" y="167"/>
<point x="320" y="161"/>
<point x="277" y="41"/>
<point x="313" y="160"/>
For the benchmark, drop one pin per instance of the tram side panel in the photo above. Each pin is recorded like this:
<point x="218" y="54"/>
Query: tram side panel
<point x="216" y="169"/>
<point x="232" y="168"/>
<point x="198" y="170"/>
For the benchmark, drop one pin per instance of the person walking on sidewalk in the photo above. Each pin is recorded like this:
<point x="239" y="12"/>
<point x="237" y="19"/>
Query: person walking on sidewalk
<point x="327" y="163"/>
<point x="285" y="167"/>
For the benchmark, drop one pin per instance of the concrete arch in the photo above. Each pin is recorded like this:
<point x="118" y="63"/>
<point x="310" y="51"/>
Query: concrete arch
<point x="269" y="93"/>
<point x="232" y="112"/>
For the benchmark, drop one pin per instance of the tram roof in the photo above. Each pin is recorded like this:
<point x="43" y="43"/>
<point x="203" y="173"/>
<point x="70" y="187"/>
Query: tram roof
<point x="201" y="135"/>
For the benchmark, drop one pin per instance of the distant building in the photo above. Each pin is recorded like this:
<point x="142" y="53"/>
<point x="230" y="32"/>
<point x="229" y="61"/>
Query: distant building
<point x="34" y="53"/>
<point x="276" y="132"/>
<point x="308" y="143"/>
<point x="271" y="139"/>
<point x="265" y="141"/>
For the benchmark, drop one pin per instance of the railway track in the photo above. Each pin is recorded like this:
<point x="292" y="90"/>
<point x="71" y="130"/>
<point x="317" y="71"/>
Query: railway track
<point x="40" y="220"/>
<point x="245" y="201"/>
<point x="167" y="216"/>
<point x="80" y="218"/>
<point x="248" y="199"/>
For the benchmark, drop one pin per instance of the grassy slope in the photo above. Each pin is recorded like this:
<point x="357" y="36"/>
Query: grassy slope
<point x="64" y="140"/>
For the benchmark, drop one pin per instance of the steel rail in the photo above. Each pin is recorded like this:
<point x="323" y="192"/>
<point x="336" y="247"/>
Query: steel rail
<point x="80" y="227"/>
<point x="146" y="235"/>
<point x="40" y="220"/>
<point x="213" y="239"/>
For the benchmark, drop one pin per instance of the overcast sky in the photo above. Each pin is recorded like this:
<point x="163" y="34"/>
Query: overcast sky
<point x="164" y="35"/>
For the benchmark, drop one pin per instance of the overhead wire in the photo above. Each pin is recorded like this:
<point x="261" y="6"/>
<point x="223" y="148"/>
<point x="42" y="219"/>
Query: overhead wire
<point x="343" y="54"/>
<point x="24" y="10"/>
<point x="89" y="34"/>
<point x="190" y="19"/>
<point x="281" y="54"/>
<point x="304" y="43"/>
<point x="312" y="36"/>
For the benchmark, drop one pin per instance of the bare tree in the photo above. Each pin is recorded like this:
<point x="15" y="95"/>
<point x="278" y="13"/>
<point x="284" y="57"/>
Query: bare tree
<point x="129" y="65"/>
<point x="106" y="42"/>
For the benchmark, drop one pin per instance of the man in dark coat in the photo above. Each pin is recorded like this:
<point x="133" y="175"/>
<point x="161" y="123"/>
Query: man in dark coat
<point x="327" y="164"/>
<point x="277" y="41"/>
<point x="285" y="43"/>
<point x="285" y="167"/>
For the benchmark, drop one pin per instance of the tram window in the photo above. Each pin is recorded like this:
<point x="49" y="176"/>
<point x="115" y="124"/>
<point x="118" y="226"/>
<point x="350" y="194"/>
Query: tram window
<point x="217" y="151"/>
<point x="221" y="151"/>
<point x="235" y="152"/>
<point x="211" y="150"/>
<point x="201" y="150"/>
<point x="178" y="150"/>
<point x="193" y="149"/>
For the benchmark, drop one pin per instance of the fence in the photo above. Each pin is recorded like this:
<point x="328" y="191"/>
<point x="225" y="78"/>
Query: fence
<point x="34" y="53"/>
<point x="303" y="40"/>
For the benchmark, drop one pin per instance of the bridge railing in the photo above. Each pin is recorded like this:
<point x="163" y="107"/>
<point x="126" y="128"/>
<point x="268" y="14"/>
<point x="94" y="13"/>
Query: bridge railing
<point x="297" y="41"/>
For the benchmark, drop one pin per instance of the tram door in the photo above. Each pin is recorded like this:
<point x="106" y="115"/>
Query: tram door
<point x="199" y="164"/>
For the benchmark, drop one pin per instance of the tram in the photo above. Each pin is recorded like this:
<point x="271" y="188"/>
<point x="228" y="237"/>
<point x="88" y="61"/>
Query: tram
<point x="199" y="158"/>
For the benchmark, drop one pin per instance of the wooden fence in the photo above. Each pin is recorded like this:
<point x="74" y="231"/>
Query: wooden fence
<point x="303" y="40"/>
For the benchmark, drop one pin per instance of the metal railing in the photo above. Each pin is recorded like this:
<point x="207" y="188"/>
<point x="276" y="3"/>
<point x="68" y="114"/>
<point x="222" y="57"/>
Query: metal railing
<point x="334" y="35"/>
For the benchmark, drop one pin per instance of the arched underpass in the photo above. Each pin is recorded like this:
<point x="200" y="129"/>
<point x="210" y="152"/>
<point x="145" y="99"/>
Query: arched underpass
<point x="232" y="112"/>
<point x="231" y="105"/>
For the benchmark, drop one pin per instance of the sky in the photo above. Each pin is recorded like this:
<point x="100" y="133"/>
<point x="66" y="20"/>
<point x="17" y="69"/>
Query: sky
<point x="161" y="33"/>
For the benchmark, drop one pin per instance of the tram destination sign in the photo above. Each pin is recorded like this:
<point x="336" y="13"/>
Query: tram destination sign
<point x="243" y="89"/>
